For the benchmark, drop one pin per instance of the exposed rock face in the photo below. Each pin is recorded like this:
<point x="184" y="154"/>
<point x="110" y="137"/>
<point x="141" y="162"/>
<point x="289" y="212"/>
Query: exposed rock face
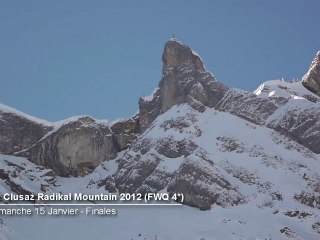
<point x="312" y="79"/>
<point x="247" y="106"/>
<point x="204" y="155"/>
<point x="170" y="141"/>
<point x="79" y="146"/>
<point x="25" y="178"/>
<point x="203" y="185"/>
<point x="74" y="148"/>
<point x="300" y="122"/>
<point x="126" y="131"/>
<point x="184" y="79"/>
<point x="18" y="132"/>
<point x="183" y="75"/>
<point x="288" y="108"/>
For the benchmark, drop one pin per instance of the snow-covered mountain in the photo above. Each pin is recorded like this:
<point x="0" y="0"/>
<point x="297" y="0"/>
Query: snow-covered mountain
<point x="251" y="160"/>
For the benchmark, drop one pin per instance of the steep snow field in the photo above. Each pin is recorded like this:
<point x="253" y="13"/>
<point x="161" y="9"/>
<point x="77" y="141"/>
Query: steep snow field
<point x="268" y="169"/>
<point x="279" y="88"/>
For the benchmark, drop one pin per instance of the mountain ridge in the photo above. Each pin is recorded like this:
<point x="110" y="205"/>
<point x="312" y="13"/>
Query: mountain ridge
<point x="224" y="149"/>
<point x="184" y="80"/>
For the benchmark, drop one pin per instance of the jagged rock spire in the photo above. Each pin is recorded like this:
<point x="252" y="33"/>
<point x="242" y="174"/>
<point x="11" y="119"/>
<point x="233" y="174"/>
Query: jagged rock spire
<point x="177" y="54"/>
<point x="184" y="80"/>
<point x="312" y="79"/>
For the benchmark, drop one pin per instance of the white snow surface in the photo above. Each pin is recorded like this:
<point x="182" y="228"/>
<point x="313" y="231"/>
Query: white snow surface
<point x="7" y="109"/>
<point x="271" y="162"/>
<point x="279" y="88"/>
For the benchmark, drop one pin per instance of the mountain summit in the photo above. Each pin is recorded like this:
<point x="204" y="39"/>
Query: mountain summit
<point x="184" y="79"/>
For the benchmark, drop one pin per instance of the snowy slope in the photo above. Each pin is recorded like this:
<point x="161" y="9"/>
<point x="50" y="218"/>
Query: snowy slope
<point x="278" y="88"/>
<point x="267" y="169"/>
<point x="249" y="161"/>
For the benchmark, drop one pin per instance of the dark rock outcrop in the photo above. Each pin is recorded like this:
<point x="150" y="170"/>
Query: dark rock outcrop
<point x="184" y="79"/>
<point x="197" y="179"/>
<point x="126" y="131"/>
<point x="74" y="148"/>
<point x="202" y="186"/>
<point x="292" y="113"/>
<point x="78" y="146"/>
<point x="312" y="79"/>
<point x="247" y="106"/>
<point x="18" y="132"/>
<point x="25" y="178"/>
<point x="300" y="124"/>
<point x="162" y="159"/>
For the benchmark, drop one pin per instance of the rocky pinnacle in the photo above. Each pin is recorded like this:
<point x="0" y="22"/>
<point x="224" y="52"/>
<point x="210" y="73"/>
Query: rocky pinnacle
<point x="184" y="80"/>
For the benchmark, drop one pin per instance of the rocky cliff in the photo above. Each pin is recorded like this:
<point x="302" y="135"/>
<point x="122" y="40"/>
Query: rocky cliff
<point x="184" y="79"/>
<point x="19" y="131"/>
<point x="78" y="145"/>
<point x="312" y="79"/>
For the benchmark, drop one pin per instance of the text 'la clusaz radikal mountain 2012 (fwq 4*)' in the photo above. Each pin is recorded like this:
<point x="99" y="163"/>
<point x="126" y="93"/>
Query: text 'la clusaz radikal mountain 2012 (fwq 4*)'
<point x="246" y="161"/>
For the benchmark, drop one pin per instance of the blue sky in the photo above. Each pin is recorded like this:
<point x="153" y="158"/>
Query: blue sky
<point x="65" y="58"/>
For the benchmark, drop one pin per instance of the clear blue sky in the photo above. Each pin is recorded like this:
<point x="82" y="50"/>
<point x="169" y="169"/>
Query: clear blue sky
<point x="64" y="58"/>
